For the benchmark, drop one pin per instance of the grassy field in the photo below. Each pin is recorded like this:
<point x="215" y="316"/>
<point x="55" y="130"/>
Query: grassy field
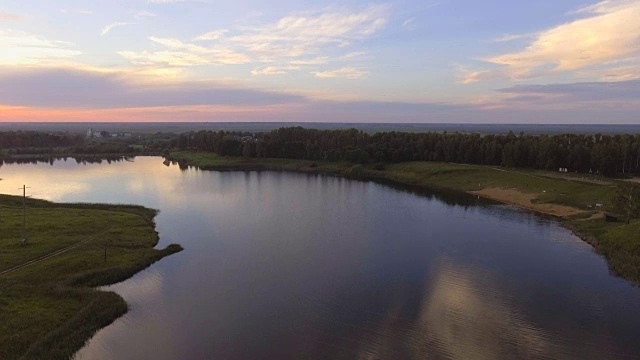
<point x="50" y="308"/>
<point x="619" y="243"/>
<point x="571" y="197"/>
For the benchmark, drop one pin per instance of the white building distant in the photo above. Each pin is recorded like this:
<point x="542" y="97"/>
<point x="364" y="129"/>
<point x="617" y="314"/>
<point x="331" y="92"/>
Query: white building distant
<point x="93" y="134"/>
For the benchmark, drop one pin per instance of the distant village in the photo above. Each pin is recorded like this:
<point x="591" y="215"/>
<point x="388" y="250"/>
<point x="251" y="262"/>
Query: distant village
<point x="94" y="134"/>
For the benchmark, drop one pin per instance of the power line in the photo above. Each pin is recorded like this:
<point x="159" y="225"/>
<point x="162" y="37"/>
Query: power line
<point x="24" y="241"/>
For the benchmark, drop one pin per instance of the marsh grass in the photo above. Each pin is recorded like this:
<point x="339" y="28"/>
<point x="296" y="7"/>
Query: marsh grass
<point x="619" y="243"/>
<point x="50" y="309"/>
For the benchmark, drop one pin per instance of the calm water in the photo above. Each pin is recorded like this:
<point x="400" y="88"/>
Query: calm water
<point x="293" y="266"/>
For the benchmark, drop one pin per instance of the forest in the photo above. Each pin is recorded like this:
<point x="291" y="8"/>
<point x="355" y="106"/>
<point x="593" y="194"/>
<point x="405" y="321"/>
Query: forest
<point x="602" y="154"/>
<point x="36" y="139"/>
<point x="609" y="155"/>
<point x="64" y="143"/>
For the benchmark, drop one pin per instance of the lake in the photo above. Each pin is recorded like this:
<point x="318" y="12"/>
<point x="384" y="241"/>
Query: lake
<point x="297" y="266"/>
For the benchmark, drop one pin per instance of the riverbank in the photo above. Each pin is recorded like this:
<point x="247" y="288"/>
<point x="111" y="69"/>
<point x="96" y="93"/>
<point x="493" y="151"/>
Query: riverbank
<point x="579" y="201"/>
<point x="49" y="306"/>
<point x="79" y="156"/>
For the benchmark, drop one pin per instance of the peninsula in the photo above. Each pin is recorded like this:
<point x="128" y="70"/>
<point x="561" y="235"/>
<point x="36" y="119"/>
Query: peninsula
<point x="49" y="303"/>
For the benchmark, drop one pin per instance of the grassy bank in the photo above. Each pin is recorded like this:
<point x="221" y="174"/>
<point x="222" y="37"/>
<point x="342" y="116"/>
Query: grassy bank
<point x="49" y="308"/>
<point x="571" y="197"/>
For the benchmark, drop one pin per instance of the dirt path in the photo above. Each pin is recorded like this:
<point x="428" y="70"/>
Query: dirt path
<point x="51" y="254"/>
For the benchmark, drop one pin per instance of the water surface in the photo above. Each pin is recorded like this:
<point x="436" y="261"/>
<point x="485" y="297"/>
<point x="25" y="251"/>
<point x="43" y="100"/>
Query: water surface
<point x="295" y="266"/>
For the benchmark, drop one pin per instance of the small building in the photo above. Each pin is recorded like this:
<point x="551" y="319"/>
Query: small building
<point x="93" y="134"/>
<point x="610" y="217"/>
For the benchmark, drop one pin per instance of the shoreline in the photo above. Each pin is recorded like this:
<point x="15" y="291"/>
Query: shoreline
<point x="55" y="298"/>
<point x="369" y="177"/>
<point x="57" y="156"/>
<point x="607" y="239"/>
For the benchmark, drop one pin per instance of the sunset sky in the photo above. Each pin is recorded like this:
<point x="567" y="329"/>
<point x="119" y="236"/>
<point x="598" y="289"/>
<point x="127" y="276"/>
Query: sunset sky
<point x="489" y="61"/>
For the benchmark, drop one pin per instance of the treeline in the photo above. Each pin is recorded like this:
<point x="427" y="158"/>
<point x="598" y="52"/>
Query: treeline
<point x="35" y="139"/>
<point x="52" y="159"/>
<point x="604" y="154"/>
<point x="40" y="143"/>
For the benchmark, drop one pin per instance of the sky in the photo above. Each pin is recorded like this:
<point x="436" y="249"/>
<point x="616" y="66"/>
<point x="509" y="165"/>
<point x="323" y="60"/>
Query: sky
<point x="406" y="61"/>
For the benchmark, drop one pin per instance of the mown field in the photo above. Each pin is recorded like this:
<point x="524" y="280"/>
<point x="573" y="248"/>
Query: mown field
<point x="571" y="197"/>
<point x="50" y="308"/>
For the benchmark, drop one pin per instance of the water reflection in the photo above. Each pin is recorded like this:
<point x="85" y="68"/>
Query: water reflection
<point x="462" y="315"/>
<point x="290" y="266"/>
<point x="465" y="315"/>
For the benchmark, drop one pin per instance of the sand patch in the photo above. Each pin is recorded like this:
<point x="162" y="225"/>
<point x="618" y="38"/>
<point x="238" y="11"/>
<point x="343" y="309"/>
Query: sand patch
<point x="524" y="200"/>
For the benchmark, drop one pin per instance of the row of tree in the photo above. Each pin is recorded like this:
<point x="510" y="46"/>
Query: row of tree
<point x="604" y="154"/>
<point x="42" y="143"/>
<point x="36" y="139"/>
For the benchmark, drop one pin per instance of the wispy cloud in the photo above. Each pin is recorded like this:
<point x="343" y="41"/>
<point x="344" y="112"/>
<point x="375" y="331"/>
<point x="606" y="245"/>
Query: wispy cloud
<point x="273" y="70"/>
<point x="352" y="55"/>
<point x="293" y="41"/>
<point x="304" y="34"/>
<point x="470" y="76"/>
<point x="24" y="48"/>
<point x="315" y="61"/>
<point x="610" y="33"/>
<point x="409" y="23"/>
<point x="5" y="16"/>
<point x="512" y="37"/>
<point x="211" y="35"/>
<point x="180" y="54"/>
<point x="345" y="72"/>
<point x="145" y="14"/>
<point x="411" y="16"/>
<point x="622" y="73"/>
<point x="114" y="25"/>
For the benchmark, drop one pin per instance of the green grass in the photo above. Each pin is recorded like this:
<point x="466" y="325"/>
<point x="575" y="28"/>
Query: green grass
<point x="576" y="194"/>
<point x="211" y="161"/>
<point x="462" y="177"/>
<point x="48" y="310"/>
<point x="617" y="242"/>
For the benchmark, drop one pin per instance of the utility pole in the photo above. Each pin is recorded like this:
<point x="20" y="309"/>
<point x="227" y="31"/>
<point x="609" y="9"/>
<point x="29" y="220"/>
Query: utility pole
<point x="24" y="215"/>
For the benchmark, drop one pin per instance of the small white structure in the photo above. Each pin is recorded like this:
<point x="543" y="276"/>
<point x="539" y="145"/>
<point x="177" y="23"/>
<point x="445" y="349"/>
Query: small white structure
<point x="93" y="134"/>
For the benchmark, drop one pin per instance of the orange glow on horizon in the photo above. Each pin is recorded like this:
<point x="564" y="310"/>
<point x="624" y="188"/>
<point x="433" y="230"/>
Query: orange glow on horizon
<point x="147" y="114"/>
